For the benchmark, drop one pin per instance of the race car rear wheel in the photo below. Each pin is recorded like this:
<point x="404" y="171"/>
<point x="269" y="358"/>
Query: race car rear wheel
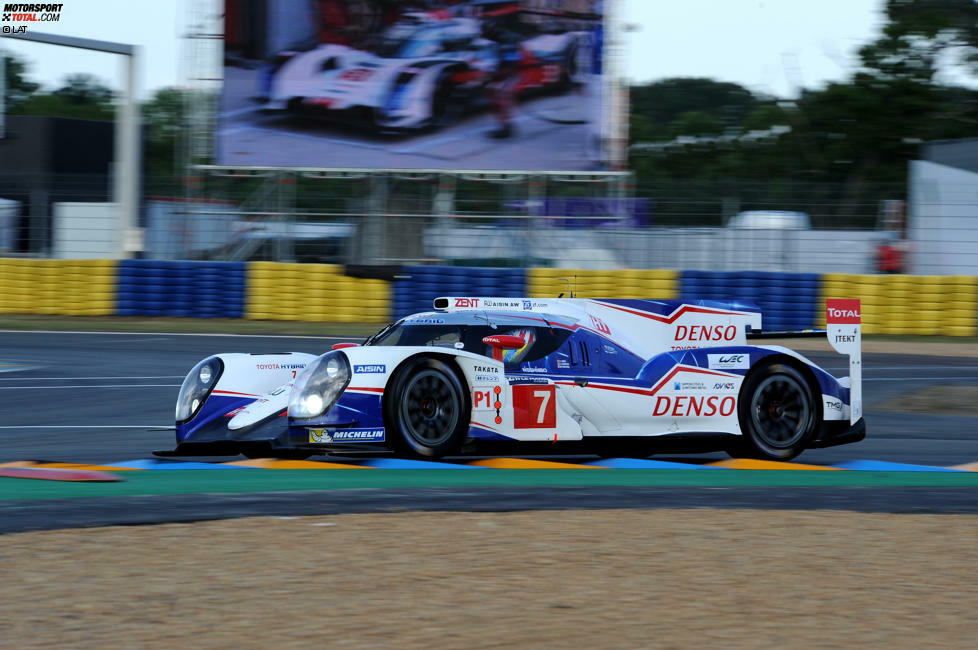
<point x="777" y="413"/>
<point x="427" y="413"/>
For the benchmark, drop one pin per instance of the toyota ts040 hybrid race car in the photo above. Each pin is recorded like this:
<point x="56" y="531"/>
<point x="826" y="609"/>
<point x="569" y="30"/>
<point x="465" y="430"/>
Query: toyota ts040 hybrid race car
<point x="632" y="375"/>
<point x="423" y="73"/>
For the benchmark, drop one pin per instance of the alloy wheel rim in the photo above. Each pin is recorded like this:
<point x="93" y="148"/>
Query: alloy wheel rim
<point x="430" y="409"/>
<point x="780" y="411"/>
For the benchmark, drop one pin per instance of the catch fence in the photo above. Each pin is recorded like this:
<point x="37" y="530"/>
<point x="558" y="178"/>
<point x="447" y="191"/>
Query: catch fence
<point x="492" y="219"/>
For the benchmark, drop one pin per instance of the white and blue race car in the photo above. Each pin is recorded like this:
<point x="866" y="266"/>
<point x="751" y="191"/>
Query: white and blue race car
<point x="630" y="376"/>
<point x="425" y="72"/>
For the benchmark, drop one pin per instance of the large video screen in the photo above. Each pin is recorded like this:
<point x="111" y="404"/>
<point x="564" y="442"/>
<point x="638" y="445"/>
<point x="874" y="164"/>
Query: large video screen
<point x="393" y="84"/>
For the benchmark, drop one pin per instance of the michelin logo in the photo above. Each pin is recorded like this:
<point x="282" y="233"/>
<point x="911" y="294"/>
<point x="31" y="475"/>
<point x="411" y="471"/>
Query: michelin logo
<point x="346" y="435"/>
<point x="376" y="368"/>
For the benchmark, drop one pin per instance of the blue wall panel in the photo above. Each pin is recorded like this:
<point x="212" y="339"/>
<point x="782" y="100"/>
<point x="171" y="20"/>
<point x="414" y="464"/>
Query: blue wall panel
<point x="787" y="300"/>
<point x="185" y="289"/>
<point x="423" y="284"/>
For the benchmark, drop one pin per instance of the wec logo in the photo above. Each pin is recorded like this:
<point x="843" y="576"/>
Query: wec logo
<point x="729" y="361"/>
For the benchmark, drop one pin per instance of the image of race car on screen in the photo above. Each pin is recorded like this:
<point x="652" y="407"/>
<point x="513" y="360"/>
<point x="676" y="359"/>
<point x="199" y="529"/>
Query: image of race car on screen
<point x="425" y="72"/>
<point x="365" y="69"/>
<point x="576" y="375"/>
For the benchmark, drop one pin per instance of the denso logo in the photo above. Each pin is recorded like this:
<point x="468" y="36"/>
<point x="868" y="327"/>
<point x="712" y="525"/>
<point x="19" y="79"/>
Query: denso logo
<point x="844" y="313"/>
<point x="466" y="302"/>
<point x="706" y="333"/>
<point x="685" y="406"/>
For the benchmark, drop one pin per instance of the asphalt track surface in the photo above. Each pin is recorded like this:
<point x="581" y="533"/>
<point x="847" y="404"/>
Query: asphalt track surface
<point x="109" y="397"/>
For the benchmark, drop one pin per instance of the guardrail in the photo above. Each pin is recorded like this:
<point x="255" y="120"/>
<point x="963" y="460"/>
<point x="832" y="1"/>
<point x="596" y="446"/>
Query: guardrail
<point x="892" y="304"/>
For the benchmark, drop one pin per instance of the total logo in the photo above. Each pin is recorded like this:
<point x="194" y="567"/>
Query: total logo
<point x="843" y="313"/>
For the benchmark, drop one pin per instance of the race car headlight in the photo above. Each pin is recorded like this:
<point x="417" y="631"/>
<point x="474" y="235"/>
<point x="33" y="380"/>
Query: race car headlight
<point x="197" y="385"/>
<point x="318" y="387"/>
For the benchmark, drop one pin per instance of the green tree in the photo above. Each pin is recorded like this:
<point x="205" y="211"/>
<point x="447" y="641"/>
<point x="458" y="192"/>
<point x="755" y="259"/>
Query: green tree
<point x="662" y="102"/>
<point x="81" y="89"/>
<point x="18" y="87"/>
<point x="164" y="123"/>
<point x="695" y="123"/>
<point x="81" y="96"/>
<point x="921" y="36"/>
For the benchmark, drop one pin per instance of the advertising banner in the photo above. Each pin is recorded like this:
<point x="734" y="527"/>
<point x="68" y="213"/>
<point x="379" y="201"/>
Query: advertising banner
<point x="393" y="84"/>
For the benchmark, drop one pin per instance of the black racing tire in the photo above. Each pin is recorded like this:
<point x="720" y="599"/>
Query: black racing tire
<point x="777" y="411"/>
<point x="426" y="409"/>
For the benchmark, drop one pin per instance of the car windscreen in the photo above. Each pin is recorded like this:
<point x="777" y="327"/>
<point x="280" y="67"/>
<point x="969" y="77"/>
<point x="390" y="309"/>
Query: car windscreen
<point x="400" y="43"/>
<point x="539" y="341"/>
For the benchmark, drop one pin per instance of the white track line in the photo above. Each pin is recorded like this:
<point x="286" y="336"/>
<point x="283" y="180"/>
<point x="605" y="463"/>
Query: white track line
<point x="89" y="426"/>
<point x="916" y="378"/>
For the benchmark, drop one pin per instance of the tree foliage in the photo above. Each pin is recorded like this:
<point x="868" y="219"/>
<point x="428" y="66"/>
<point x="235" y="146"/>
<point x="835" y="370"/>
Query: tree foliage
<point x="18" y="87"/>
<point x="856" y="136"/>
<point x="81" y="96"/>
<point x="163" y="119"/>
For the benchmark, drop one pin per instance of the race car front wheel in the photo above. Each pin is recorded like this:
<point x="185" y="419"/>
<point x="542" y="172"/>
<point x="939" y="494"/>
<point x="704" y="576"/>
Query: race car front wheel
<point x="777" y="413"/>
<point x="427" y="413"/>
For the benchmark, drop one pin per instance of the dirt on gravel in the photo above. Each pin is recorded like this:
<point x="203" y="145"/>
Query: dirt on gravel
<point x="552" y="579"/>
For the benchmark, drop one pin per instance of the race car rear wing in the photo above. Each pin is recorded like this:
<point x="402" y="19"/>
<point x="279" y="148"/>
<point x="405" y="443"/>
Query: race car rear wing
<point x="843" y="324"/>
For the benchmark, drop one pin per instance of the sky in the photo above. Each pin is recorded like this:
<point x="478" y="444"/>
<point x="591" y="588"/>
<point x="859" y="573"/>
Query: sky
<point x="774" y="47"/>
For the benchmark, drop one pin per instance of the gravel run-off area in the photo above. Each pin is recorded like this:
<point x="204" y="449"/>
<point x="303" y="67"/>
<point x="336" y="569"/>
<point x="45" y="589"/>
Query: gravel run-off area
<point x="555" y="579"/>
